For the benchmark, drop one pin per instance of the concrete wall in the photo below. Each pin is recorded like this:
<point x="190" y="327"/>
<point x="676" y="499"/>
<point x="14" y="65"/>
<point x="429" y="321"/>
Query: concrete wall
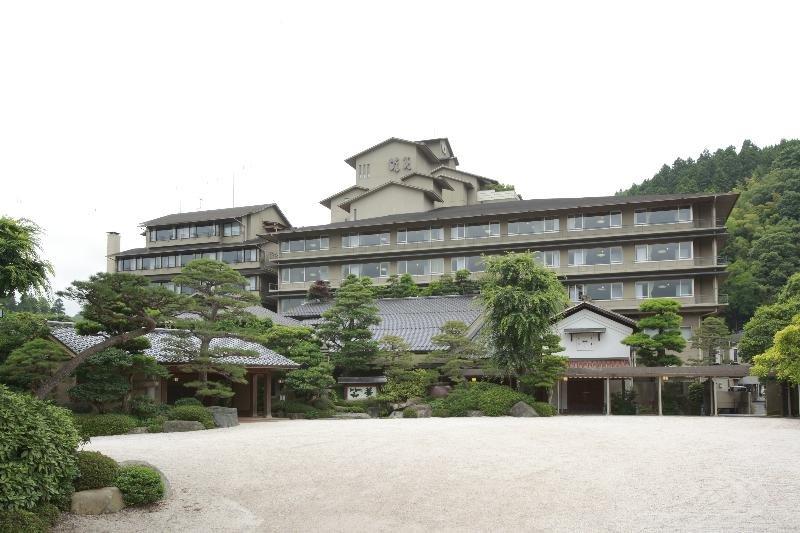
<point x="388" y="201"/>
<point x="593" y="345"/>
<point x="378" y="161"/>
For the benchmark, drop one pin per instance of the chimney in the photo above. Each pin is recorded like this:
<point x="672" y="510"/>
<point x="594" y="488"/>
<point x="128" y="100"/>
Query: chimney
<point x="112" y="248"/>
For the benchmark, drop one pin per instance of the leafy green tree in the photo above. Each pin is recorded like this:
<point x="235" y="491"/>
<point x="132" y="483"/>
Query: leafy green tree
<point x="31" y="364"/>
<point x="21" y="267"/>
<point x="119" y="306"/>
<point x="345" y="329"/>
<point x="395" y="356"/>
<point x="217" y="310"/>
<point x="319" y="290"/>
<point x="444" y="285"/>
<point x="58" y="308"/>
<point x="782" y="359"/>
<point x="521" y="299"/>
<point x="18" y="328"/>
<point x="397" y="361"/>
<point x="664" y="320"/>
<point x="398" y="287"/>
<point x="457" y="351"/>
<point x="464" y="282"/>
<point x="299" y="344"/>
<point x="106" y="379"/>
<point x="545" y="373"/>
<point x="712" y="337"/>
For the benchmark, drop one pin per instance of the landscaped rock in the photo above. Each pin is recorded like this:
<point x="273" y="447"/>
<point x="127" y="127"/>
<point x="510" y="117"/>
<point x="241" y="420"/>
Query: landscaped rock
<point x="474" y="413"/>
<point x="423" y="410"/>
<point x="373" y="412"/>
<point x="172" y="426"/>
<point x="97" y="501"/>
<point x="523" y="409"/>
<point x="295" y="416"/>
<point x="396" y="414"/>
<point x="344" y="416"/>
<point x="137" y="431"/>
<point x="224" y="417"/>
<point x="164" y="480"/>
<point x="440" y="391"/>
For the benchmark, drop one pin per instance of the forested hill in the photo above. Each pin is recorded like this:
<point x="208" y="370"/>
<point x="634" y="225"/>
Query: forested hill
<point x="764" y="248"/>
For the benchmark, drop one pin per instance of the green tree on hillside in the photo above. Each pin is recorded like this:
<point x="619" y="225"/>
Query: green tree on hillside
<point x="664" y="322"/>
<point x="759" y="331"/>
<point x="782" y="359"/>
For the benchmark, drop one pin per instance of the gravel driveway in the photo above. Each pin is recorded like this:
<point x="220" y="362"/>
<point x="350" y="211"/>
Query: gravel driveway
<point x="562" y="473"/>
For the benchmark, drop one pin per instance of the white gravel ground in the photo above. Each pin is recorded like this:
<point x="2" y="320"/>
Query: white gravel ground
<point x="562" y="473"/>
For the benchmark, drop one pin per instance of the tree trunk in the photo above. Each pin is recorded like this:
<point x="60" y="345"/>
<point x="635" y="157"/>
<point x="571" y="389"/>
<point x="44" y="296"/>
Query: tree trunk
<point x="69" y="367"/>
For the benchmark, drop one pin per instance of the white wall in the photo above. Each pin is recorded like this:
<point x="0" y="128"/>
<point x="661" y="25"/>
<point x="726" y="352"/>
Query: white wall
<point x="587" y="345"/>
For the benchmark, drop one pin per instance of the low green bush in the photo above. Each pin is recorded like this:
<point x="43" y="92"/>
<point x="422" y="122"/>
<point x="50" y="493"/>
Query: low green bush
<point x="544" y="409"/>
<point x="409" y="412"/>
<point x="187" y="401"/>
<point x="22" y="521"/>
<point x="143" y="407"/>
<point x="440" y="412"/>
<point x="139" y="485"/>
<point x="351" y="409"/>
<point x="107" y="424"/>
<point x="196" y="413"/>
<point x="154" y="424"/>
<point x="38" y="443"/>
<point x="95" y="471"/>
<point x="490" y="398"/>
<point x="48" y="512"/>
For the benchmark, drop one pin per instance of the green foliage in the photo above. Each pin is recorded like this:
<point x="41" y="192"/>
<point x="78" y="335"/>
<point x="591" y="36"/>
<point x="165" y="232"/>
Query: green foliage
<point x="457" y="351"/>
<point x="346" y="326"/>
<point x="104" y="424"/>
<point x="188" y="401"/>
<point x="545" y="372"/>
<point x="31" y="364"/>
<point x="143" y="407"/>
<point x="48" y="512"/>
<point x="624" y="402"/>
<point x="292" y="407"/>
<point x="22" y="521"/>
<point x="95" y="471"/>
<point x="409" y="412"/>
<point x="782" y="359"/>
<point x="440" y="412"/>
<point x="154" y="424"/>
<point x="760" y="330"/>
<point x="407" y="384"/>
<point x="21" y="268"/>
<point x="301" y="346"/>
<point x="37" y="451"/>
<point x="139" y="485"/>
<point x="196" y="413"/>
<point x="711" y="337"/>
<point x="320" y="290"/>
<point x="398" y="287"/>
<point x="18" y="328"/>
<point x="651" y="350"/>
<point x="490" y="398"/>
<point x="696" y="397"/>
<point x="520" y="299"/>
<point x="498" y="187"/>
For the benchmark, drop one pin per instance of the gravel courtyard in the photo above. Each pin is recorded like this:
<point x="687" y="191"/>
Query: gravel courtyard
<point x="562" y="473"/>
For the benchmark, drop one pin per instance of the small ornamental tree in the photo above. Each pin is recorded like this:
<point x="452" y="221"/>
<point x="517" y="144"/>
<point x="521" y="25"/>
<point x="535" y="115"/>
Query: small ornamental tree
<point x="711" y="337"/>
<point x="346" y="327"/>
<point x="18" y="328"/>
<point x="782" y="359"/>
<point x="58" y="308"/>
<point x="21" y="267"/>
<point x="464" y="282"/>
<point x="217" y="310"/>
<point x="663" y="319"/>
<point x="119" y="306"/>
<point x="442" y="286"/>
<point x="315" y="374"/>
<point x="398" y="287"/>
<point x="320" y="290"/>
<point x="521" y="299"/>
<point x="545" y="373"/>
<point x="456" y="351"/>
<point x="31" y="364"/>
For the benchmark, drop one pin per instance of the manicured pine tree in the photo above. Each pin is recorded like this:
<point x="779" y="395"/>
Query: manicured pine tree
<point x="456" y="351"/>
<point x="711" y="337"/>
<point x="664" y="320"/>
<point x="31" y="364"/>
<point x="299" y="344"/>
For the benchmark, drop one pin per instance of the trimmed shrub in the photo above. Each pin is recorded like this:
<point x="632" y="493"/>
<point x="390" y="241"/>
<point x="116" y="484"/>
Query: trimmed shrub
<point x="155" y="424"/>
<point x="490" y="398"/>
<point x="544" y="409"/>
<point x="95" y="471"/>
<point x="440" y="412"/>
<point x="22" y="521"/>
<point x="408" y="412"/>
<point x="139" y="485"/>
<point x="37" y="451"/>
<point x="143" y="407"/>
<point x="48" y="512"/>
<point x="188" y="401"/>
<point x="109" y="424"/>
<point x="196" y="413"/>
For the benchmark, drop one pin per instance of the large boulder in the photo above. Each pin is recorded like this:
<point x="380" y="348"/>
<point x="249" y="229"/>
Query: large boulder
<point x="172" y="426"/>
<point x="164" y="480"/>
<point x="224" y="417"/>
<point x="474" y="413"/>
<point x="423" y="410"/>
<point x="522" y="409"/>
<point x="97" y="501"/>
<point x="345" y="416"/>
<point x="440" y="391"/>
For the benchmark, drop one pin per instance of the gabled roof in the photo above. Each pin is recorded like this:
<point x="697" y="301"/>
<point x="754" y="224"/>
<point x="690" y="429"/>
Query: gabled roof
<point x="416" y="319"/>
<point x="263" y="312"/>
<point x="419" y="144"/>
<point x="327" y="201"/>
<point x="212" y="214"/>
<point x="611" y="315"/>
<point x="433" y="195"/>
<point x="457" y="171"/>
<point x="440" y="181"/>
<point x="65" y="334"/>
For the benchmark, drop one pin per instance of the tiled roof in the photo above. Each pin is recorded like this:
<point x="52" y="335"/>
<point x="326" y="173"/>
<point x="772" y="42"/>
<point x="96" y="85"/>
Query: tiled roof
<point x="416" y="320"/>
<point x="209" y="215"/>
<point x="66" y="335"/>
<point x="611" y="315"/>
<point x="263" y="312"/>
<point x="525" y="207"/>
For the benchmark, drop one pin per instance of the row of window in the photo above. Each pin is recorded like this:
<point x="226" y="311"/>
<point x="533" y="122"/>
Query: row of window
<point x="252" y="285"/>
<point x="675" y="288"/>
<point x="362" y="172"/>
<point x="228" y="229"/>
<point x="155" y="262"/>
<point x="492" y="229"/>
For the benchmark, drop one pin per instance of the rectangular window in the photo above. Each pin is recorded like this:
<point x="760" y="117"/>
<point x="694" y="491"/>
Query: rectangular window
<point x="163" y="234"/>
<point x="205" y="230"/>
<point x="670" y="251"/>
<point x="231" y="229"/>
<point x="287" y="304"/>
<point x="596" y="291"/>
<point x="674" y="288"/>
<point x="595" y="256"/>
<point x="663" y="216"/>
<point x="406" y="236"/>
<point x="475" y="231"/>
<point x="252" y="283"/>
<point x="369" y="270"/>
<point x="421" y="267"/>
<point x="303" y="245"/>
<point x="472" y="263"/>
<point x="357" y="240"/>
<point x="148" y="263"/>
<point x="251" y="254"/>
<point x="186" y="259"/>
<point x="531" y="227"/>
<point x="209" y="255"/>
<point x="231" y="256"/>
<point x="549" y="258"/>
<point x="184" y="232"/>
<point x="594" y="221"/>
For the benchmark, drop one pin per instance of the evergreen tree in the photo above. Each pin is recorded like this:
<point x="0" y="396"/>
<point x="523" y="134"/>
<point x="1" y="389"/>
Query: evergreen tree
<point x="712" y="337"/>
<point x="21" y="267"/>
<point x="456" y="351"/>
<point x="345" y="329"/>
<point x="320" y="290"/>
<point x="782" y="359"/>
<point x="299" y="344"/>
<point x="398" y="287"/>
<point x="31" y="364"/>
<point x="58" y="308"/>
<point x="663" y="319"/>
<point x="759" y="331"/>
<point x="18" y="328"/>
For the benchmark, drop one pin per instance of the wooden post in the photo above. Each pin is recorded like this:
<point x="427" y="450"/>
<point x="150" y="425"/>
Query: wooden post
<point x="714" y="396"/>
<point x="268" y="395"/>
<point x="254" y="394"/>
<point x="558" y="398"/>
<point x="658" y="388"/>
<point x="608" y="396"/>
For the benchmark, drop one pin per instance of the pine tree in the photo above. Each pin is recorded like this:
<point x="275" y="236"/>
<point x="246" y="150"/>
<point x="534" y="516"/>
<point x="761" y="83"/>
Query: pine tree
<point x="32" y="363"/>
<point x="456" y="351"/>
<point x="664" y="320"/>
<point x="712" y="337"/>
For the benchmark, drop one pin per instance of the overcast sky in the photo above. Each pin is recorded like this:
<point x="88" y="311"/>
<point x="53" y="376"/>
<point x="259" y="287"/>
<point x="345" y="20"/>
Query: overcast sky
<point x="113" y="113"/>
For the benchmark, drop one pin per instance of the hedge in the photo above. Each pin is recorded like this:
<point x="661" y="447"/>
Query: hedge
<point x="22" y="521"/>
<point x="196" y="413"/>
<point x="139" y="485"/>
<point x="95" y="471"/>
<point x="187" y="401"/>
<point x="37" y="452"/>
<point x="108" y="424"/>
<point x="490" y="398"/>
